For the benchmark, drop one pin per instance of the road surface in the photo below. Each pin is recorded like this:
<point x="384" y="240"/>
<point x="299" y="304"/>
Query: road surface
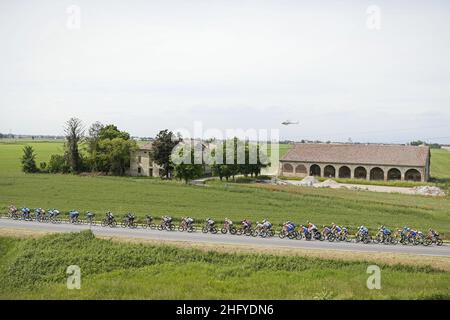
<point x="198" y="237"/>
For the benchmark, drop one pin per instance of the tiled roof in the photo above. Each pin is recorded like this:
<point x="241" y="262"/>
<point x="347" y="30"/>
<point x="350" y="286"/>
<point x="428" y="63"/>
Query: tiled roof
<point x="368" y="154"/>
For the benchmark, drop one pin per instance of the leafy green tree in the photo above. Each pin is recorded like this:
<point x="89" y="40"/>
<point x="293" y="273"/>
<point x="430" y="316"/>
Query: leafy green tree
<point x="165" y="142"/>
<point x="189" y="170"/>
<point x="115" y="154"/>
<point x="29" y="160"/>
<point x="74" y="133"/>
<point x="111" y="132"/>
<point x="92" y="143"/>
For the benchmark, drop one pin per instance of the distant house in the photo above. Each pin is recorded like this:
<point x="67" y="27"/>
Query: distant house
<point x="142" y="164"/>
<point x="360" y="161"/>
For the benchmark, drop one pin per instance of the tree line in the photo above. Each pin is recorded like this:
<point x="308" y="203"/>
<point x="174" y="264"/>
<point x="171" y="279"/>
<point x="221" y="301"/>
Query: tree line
<point x="108" y="150"/>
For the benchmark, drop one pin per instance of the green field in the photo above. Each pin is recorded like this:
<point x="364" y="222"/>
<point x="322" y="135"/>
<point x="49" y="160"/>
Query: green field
<point x="218" y="200"/>
<point x="117" y="270"/>
<point x="36" y="269"/>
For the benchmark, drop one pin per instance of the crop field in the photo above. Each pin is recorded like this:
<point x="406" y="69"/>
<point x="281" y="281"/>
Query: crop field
<point x="217" y="200"/>
<point x="112" y="270"/>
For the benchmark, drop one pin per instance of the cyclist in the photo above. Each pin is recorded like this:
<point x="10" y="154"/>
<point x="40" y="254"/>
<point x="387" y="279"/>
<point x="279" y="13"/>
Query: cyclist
<point x="167" y="220"/>
<point x="362" y="231"/>
<point x="246" y="224"/>
<point x="432" y="233"/>
<point x="189" y="222"/>
<point x="228" y="223"/>
<point x="53" y="213"/>
<point x="39" y="213"/>
<point x="312" y="227"/>
<point x="289" y="226"/>
<point x="89" y="216"/>
<point x="73" y="215"/>
<point x="305" y="230"/>
<point x="210" y="222"/>
<point x="385" y="233"/>
<point x="267" y="225"/>
<point x="109" y="216"/>
<point x="326" y="231"/>
<point x="130" y="218"/>
<point x="336" y="229"/>
<point x="25" y="213"/>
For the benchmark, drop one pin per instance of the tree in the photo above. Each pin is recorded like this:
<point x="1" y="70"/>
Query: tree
<point x="190" y="170"/>
<point x="74" y="133"/>
<point x="115" y="154"/>
<point x="162" y="148"/>
<point x="29" y="160"/>
<point x="110" y="131"/>
<point x="93" y="141"/>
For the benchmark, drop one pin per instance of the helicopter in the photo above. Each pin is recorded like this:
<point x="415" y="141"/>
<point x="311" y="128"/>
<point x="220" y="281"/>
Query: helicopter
<point x="288" y="122"/>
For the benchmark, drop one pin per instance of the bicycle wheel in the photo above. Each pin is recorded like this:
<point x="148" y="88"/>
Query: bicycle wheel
<point x="205" y="230"/>
<point x="223" y="230"/>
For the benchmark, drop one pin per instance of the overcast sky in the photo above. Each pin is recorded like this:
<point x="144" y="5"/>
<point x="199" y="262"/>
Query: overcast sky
<point x="150" y="65"/>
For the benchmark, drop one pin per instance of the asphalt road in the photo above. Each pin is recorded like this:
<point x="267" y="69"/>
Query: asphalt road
<point x="199" y="237"/>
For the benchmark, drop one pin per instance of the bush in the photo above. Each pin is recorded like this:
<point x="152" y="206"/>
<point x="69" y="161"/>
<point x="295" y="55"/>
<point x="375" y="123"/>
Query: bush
<point x="43" y="167"/>
<point x="58" y="164"/>
<point x="29" y="160"/>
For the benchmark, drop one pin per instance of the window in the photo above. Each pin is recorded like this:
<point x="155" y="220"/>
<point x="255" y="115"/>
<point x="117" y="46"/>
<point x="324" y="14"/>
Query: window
<point x="139" y="159"/>
<point x="139" y="170"/>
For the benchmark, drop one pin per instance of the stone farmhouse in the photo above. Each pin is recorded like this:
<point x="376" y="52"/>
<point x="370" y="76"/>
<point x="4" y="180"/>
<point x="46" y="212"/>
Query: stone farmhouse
<point x="359" y="161"/>
<point x="142" y="164"/>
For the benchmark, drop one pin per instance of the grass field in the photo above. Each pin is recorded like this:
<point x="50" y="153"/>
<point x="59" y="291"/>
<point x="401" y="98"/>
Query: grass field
<point x="36" y="269"/>
<point x="153" y="196"/>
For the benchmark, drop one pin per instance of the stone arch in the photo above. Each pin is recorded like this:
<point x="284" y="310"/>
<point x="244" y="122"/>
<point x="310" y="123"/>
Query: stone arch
<point x="344" y="172"/>
<point x="287" y="167"/>
<point x="376" y="174"/>
<point x="329" y="171"/>
<point x="314" y="170"/>
<point x="300" y="169"/>
<point x="394" y="174"/>
<point x="413" y="175"/>
<point x="360" y="173"/>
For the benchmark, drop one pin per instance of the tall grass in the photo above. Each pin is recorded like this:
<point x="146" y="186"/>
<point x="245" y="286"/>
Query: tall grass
<point x="37" y="268"/>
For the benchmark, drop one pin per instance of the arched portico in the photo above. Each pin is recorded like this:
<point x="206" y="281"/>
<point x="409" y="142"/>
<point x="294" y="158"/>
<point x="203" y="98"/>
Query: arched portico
<point x="413" y="175"/>
<point x="394" y="174"/>
<point x="314" y="170"/>
<point x="301" y="169"/>
<point x="345" y="172"/>
<point x="360" y="173"/>
<point x="288" y="168"/>
<point x="329" y="172"/>
<point x="376" y="174"/>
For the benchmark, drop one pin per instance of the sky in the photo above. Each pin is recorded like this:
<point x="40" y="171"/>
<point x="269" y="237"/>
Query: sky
<point x="371" y="71"/>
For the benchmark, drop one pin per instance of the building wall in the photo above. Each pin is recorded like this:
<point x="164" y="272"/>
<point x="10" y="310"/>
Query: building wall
<point x="424" y="171"/>
<point x="142" y="165"/>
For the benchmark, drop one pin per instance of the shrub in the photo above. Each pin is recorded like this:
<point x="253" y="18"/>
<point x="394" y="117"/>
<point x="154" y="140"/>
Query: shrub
<point x="29" y="160"/>
<point x="58" y="164"/>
